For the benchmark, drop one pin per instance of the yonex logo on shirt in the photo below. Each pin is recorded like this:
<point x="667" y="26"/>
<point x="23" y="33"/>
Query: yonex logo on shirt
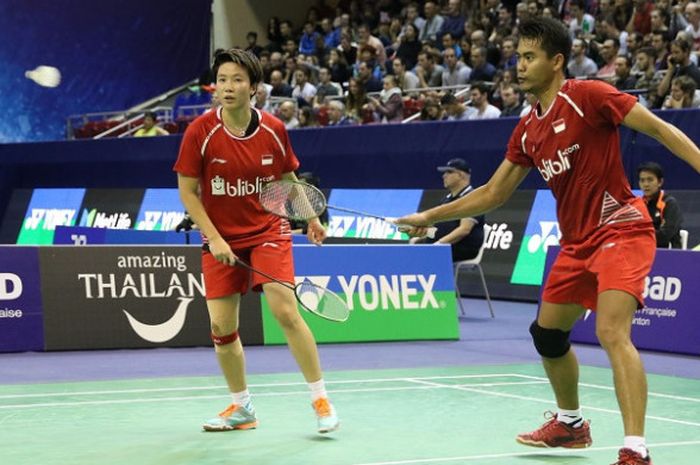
<point x="551" y="168"/>
<point x="241" y="188"/>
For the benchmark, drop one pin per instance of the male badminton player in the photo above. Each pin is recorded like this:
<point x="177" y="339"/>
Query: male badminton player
<point x="571" y="137"/>
<point x="227" y="154"/>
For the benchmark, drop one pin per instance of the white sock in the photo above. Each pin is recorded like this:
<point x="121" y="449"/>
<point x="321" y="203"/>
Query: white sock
<point x="241" y="398"/>
<point x="637" y="444"/>
<point x="318" y="390"/>
<point x="571" y="418"/>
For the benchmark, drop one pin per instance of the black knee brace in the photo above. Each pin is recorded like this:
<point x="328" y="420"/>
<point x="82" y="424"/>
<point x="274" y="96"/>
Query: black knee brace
<point x="550" y="343"/>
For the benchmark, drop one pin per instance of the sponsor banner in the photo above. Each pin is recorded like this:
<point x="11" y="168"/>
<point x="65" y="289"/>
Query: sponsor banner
<point x="110" y="208"/>
<point x="83" y="236"/>
<point x="395" y="292"/>
<point x="669" y="322"/>
<point x="541" y="232"/>
<point x="161" y="210"/>
<point x="76" y="235"/>
<point x="21" y="325"/>
<point x="127" y="297"/>
<point x="47" y="209"/>
<point x="381" y="202"/>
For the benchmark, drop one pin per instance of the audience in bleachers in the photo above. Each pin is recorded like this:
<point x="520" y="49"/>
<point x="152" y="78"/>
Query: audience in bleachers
<point x="370" y="61"/>
<point x="287" y="114"/>
<point x="389" y="105"/>
<point x="150" y="126"/>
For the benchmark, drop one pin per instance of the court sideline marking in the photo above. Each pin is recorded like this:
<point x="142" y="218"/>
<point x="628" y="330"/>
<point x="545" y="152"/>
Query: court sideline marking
<point x="524" y="454"/>
<point x="424" y="381"/>
<point x="549" y="401"/>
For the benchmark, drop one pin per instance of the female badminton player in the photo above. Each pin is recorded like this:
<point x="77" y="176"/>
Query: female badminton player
<point x="226" y="156"/>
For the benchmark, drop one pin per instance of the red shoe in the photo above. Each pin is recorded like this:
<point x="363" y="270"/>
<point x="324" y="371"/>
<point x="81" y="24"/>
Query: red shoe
<point x="557" y="434"/>
<point x="630" y="457"/>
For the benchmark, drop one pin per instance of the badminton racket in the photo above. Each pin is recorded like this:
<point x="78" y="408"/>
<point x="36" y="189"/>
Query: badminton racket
<point x="297" y="200"/>
<point x="313" y="298"/>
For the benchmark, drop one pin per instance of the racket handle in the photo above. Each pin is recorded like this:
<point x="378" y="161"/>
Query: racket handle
<point x="430" y="233"/>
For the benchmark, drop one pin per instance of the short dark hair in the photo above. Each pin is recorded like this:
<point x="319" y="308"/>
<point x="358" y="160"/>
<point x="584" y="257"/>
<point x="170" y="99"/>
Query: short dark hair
<point x="553" y="37"/>
<point x="448" y="99"/>
<point x="581" y="4"/>
<point x="627" y="59"/>
<point x="428" y="55"/>
<point x="651" y="167"/>
<point x="244" y="59"/>
<point x="663" y="34"/>
<point x="684" y="45"/>
<point x="151" y="114"/>
<point x="648" y="51"/>
<point x="480" y="86"/>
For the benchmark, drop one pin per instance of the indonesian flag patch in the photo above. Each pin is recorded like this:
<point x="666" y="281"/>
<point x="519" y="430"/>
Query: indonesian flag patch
<point x="559" y="126"/>
<point x="267" y="160"/>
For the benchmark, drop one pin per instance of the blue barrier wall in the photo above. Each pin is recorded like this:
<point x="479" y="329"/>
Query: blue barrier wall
<point x="379" y="156"/>
<point x="111" y="55"/>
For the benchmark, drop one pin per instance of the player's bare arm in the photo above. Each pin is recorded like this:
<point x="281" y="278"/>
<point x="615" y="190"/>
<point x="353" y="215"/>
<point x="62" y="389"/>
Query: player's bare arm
<point x="642" y="120"/>
<point x="492" y="195"/>
<point x="315" y="232"/>
<point x="187" y="187"/>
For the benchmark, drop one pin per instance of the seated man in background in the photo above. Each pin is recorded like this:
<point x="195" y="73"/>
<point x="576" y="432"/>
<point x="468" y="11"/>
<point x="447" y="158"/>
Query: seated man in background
<point x="467" y="234"/>
<point x="336" y="114"/>
<point x="149" y="127"/>
<point x="663" y="209"/>
<point x="455" y="110"/>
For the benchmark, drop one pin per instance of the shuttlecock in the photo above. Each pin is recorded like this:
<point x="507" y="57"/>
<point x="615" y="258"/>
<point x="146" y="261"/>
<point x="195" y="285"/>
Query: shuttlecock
<point x="45" y="76"/>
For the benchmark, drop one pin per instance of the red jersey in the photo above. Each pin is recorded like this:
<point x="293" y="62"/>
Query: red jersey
<point x="231" y="172"/>
<point x="575" y="146"/>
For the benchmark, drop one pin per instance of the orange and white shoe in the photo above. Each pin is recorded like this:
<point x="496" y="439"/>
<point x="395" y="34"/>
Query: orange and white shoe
<point x="234" y="417"/>
<point x="557" y="434"/>
<point x="325" y="414"/>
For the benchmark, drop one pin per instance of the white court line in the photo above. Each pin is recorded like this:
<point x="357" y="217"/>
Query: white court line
<point x="262" y="394"/>
<point x="203" y="388"/>
<point x="422" y="380"/>
<point x="609" y="388"/>
<point x="525" y="454"/>
<point x="548" y="401"/>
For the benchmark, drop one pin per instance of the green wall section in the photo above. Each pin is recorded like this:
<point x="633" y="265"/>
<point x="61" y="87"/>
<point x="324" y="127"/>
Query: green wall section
<point x="383" y="324"/>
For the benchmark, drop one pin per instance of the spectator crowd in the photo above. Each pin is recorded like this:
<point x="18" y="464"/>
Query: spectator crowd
<point x="372" y="61"/>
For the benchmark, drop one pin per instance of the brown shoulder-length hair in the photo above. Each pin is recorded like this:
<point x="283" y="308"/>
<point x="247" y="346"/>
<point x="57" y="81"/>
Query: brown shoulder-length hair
<point x="246" y="60"/>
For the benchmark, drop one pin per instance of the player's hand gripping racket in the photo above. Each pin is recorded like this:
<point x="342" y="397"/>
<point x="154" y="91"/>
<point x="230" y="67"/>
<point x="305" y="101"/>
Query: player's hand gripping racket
<point x="297" y="200"/>
<point x="312" y="297"/>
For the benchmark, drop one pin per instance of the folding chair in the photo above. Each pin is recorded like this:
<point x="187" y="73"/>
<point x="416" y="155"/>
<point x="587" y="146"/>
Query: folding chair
<point x="471" y="264"/>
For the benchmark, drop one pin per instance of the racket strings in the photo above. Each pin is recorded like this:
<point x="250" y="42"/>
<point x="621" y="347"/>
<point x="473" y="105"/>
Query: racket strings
<point x="322" y="301"/>
<point x="292" y="200"/>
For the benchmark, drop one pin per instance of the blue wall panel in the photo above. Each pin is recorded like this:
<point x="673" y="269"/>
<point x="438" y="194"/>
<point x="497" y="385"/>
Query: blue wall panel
<point x="379" y="156"/>
<point x="111" y="55"/>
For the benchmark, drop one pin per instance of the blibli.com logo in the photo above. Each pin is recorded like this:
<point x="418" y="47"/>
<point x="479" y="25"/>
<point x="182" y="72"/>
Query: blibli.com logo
<point x="383" y="292"/>
<point x="551" y="168"/>
<point x="239" y="188"/>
